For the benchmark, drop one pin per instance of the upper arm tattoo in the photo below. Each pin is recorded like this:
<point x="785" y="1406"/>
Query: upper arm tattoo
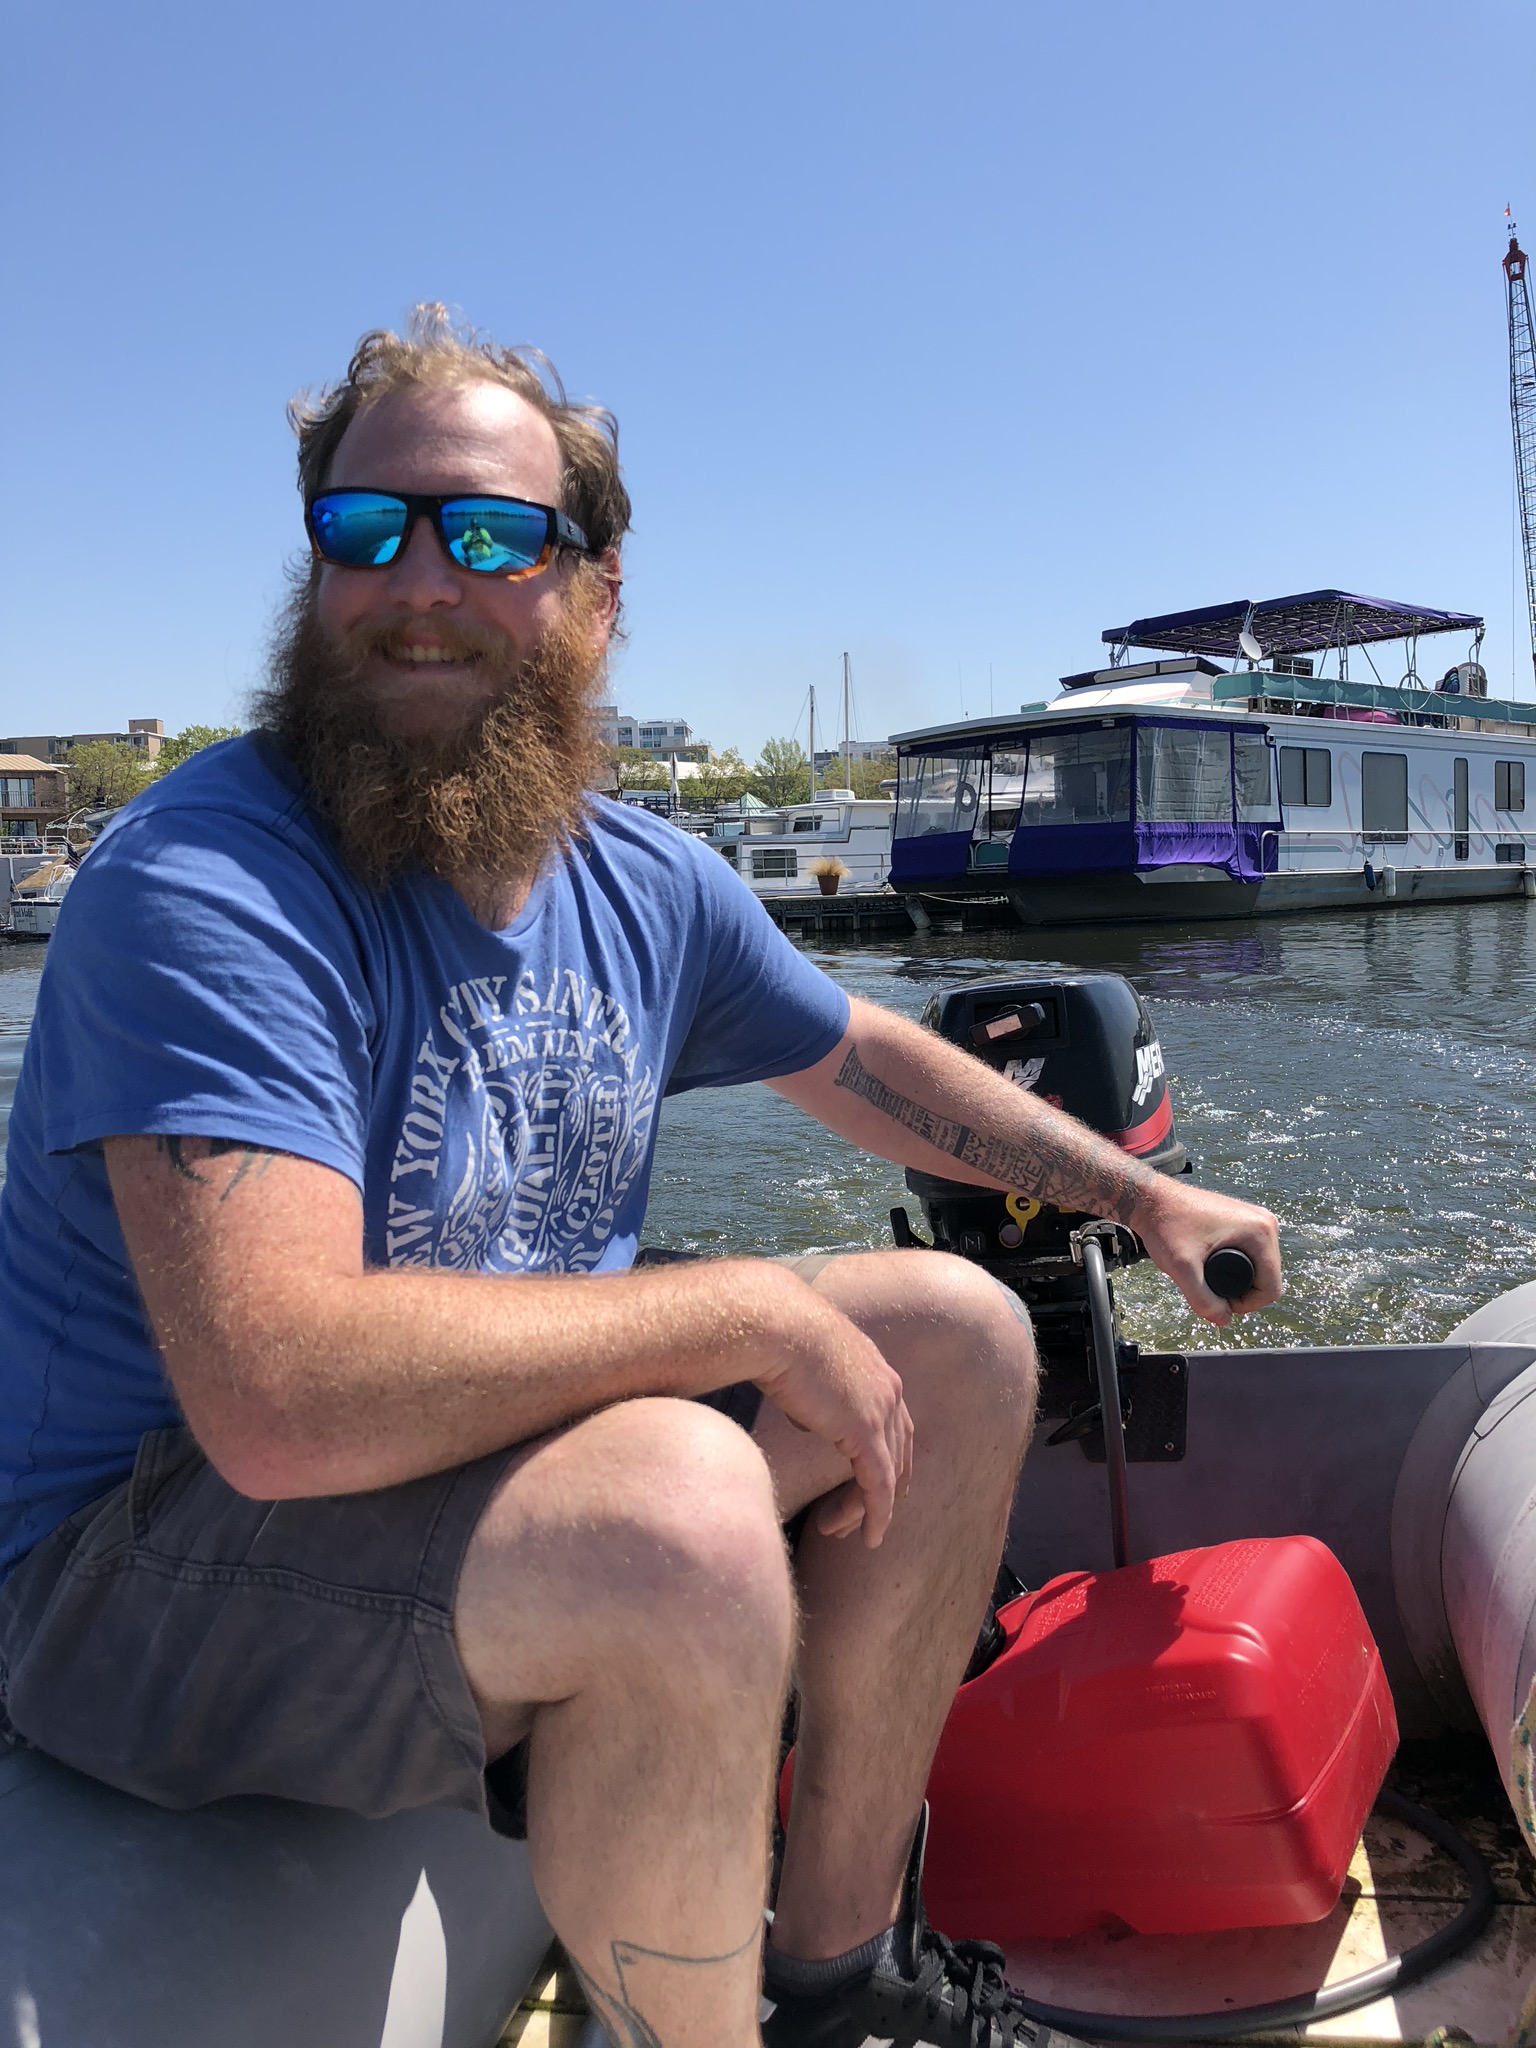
<point x="186" y="1155"/>
<point x="1066" y="1164"/>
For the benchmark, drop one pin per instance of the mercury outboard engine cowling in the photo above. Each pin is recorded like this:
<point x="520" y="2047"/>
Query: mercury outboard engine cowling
<point x="1085" y="1043"/>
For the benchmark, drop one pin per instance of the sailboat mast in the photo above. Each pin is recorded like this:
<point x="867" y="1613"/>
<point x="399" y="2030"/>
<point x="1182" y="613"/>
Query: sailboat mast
<point x="847" y="732"/>
<point x="813" y="743"/>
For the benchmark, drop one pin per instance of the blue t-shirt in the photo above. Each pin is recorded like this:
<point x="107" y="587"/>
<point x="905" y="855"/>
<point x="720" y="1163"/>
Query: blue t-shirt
<point x="217" y="972"/>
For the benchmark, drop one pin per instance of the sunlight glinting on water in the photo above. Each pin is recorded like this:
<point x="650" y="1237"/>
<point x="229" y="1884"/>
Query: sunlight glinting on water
<point x="1369" y="1078"/>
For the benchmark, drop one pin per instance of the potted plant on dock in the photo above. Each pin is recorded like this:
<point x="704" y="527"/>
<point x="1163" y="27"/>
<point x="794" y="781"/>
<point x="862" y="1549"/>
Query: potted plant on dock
<point x="829" y="873"/>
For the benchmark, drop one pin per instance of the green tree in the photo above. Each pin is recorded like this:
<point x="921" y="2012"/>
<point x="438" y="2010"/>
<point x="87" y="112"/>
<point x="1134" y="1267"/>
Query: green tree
<point x="636" y="770"/>
<point x="719" y="781"/>
<point x="867" y="776"/>
<point x="783" y="773"/>
<point x="191" y="740"/>
<point x="101" y="774"/>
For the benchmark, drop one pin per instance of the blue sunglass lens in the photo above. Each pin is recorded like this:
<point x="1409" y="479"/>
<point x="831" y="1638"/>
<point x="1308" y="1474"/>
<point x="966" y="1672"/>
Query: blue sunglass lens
<point x="494" y="535"/>
<point x="360" y="530"/>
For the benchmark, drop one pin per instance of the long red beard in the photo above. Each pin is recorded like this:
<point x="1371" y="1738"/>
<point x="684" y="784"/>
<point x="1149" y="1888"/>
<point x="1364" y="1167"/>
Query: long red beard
<point x="495" y="798"/>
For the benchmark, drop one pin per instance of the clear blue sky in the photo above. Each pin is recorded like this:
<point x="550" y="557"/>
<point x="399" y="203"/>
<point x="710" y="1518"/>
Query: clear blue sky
<point x="947" y="335"/>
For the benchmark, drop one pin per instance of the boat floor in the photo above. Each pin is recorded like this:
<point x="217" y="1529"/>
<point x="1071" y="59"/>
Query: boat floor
<point x="1399" y="1890"/>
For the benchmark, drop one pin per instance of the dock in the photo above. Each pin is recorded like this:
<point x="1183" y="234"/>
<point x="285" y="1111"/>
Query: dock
<point x="883" y="910"/>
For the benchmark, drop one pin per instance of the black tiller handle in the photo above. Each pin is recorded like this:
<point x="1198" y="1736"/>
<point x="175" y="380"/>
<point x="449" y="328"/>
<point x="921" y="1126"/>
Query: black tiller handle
<point x="1101" y="1327"/>
<point x="1229" y="1273"/>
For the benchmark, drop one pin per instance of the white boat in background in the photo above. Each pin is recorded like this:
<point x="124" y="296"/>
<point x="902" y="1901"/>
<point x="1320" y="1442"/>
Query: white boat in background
<point x="36" y="898"/>
<point x="782" y="852"/>
<point x="836" y="844"/>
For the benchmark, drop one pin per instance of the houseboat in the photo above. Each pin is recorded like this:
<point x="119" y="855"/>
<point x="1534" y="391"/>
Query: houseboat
<point x="1176" y="787"/>
<point x="785" y="852"/>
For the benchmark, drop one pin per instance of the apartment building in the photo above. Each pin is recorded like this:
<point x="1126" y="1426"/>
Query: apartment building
<point x="32" y="796"/>
<point x="145" y="735"/>
<point x="658" y="736"/>
<point x="858" y="750"/>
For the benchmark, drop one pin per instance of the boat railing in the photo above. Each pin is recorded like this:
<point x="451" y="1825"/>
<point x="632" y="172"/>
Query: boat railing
<point x="1265" y="691"/>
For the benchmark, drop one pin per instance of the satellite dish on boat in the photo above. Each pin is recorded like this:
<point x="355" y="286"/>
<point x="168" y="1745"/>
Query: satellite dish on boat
<point x="1249" y="648"/>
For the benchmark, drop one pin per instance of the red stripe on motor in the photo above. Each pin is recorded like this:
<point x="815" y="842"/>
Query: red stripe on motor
<point x="1142" y="1137"/>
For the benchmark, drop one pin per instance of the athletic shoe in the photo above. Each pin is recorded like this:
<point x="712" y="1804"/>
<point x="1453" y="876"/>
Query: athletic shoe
<point x="955" y="1998"/>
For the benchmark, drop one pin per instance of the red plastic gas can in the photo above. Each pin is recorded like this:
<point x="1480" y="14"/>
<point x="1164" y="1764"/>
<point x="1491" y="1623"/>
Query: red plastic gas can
<point x="1185" y="1744"/>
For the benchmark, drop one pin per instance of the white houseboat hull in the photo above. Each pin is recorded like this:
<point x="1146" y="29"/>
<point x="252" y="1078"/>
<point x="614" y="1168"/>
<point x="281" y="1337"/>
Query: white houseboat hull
<point x="1165" y="898"/>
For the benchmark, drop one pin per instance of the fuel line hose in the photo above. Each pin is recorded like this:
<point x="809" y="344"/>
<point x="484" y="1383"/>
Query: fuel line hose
<point x="1395" y="1974"/>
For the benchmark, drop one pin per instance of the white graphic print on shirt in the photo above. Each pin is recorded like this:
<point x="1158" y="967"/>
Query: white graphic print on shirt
<point x="527" y="1126"/>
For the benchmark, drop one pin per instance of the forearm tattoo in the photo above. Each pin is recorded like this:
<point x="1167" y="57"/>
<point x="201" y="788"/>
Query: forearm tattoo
<point x="633" y="1966"/>
<point x="1066" y="1164"/>
<point x="187" y="1154"/>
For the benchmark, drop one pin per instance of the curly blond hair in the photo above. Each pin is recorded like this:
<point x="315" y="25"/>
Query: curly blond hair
<point x="436" y="349"/>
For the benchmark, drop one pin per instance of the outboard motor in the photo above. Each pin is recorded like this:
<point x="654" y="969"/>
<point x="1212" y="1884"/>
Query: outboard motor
<point x="1085" y="1043"/>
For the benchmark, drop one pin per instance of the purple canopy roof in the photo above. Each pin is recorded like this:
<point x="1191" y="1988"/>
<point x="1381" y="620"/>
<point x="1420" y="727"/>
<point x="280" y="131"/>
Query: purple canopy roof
<point x="1289" y="625"/>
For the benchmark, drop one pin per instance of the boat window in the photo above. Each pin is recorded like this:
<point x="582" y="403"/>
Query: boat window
<point x="1005" y="795"/>
<point x="1384" y="795"/>
<point x="1253" y="776"/>
<point x="1508" y="785"/>
<point x="1078" y="778"/>
<point x="937" y="793"/>
<point x="729" y="851"/>
<point x="1183" y="775"/>
<point x="1306" y="776"/>
<point x="1461" y="810"/>
<point x="773" y="863"/>
<point x="806" y="825"/>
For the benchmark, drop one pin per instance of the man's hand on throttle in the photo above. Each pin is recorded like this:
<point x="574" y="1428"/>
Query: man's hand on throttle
<point x="1181" y="1226"/>
<point x="834" y="1383"/>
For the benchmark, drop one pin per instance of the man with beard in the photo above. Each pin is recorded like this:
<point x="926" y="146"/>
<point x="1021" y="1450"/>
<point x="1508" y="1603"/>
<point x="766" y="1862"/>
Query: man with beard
<point x="342" y="1455"/>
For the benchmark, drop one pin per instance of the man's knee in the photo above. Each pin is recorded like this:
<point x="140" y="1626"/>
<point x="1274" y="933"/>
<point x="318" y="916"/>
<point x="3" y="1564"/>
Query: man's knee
<point x="989" y="1327"/>
<point x="663" y="1534"/>
<point x="933" y="1307"/>
<point x="710" y="1551"/>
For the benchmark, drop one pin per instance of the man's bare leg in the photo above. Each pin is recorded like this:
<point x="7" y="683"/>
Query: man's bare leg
<point x="887" y="1633"/>
<point x="627" y="1599"/>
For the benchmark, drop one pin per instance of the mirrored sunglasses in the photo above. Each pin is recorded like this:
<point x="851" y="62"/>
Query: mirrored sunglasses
<point x="508" y="537"/>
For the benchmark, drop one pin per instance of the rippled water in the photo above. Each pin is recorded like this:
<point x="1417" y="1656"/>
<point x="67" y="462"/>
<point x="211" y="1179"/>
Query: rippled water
<point x="1370" y="1078"/>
